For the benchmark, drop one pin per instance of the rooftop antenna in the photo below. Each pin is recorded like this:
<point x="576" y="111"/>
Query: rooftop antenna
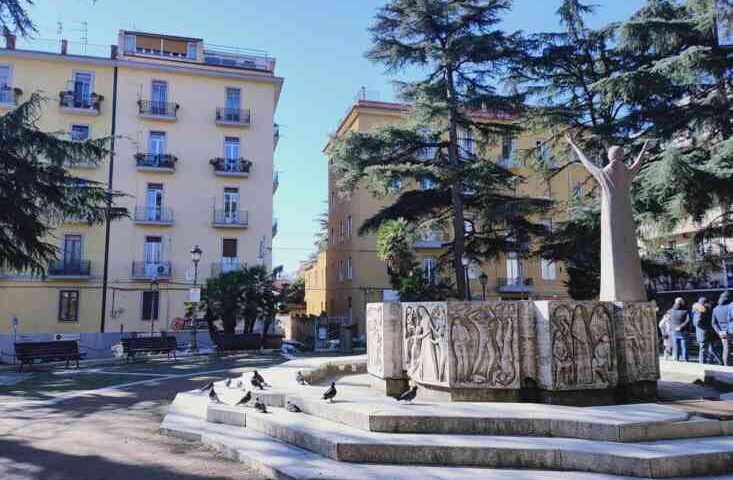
<point x="59" y="32"/>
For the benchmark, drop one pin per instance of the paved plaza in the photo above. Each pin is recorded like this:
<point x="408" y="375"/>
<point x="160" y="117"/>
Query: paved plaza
<point x="83" y="425"/>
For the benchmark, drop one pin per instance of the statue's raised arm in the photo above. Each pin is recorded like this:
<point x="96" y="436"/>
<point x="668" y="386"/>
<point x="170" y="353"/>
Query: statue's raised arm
<point x="590" y="166"/>
<point x="637" y="164"/>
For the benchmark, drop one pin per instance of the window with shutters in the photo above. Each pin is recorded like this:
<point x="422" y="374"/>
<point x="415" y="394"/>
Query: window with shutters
<point x="69" y="305"/>
<point x="229" y="248"/>
<point x="151" y="304"/>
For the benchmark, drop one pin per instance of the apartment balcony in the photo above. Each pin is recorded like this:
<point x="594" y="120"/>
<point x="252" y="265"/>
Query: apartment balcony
<point x="153" y="216"/>
<point x="276" y="134"/>
<point x="81" y="164"/>
<point x="219" y="268"/>
<point x="9" y="97"/>
<point x="69" y="102"/>
<point x="70" y="269"/>
<point x="230" y="219"/>
<point x="274" y="228"/>
<point x="228" y="167"/>
<point x="275" y="182"/>
<point x="153" y="162"/>
<point x="153" y="110"/>
<point x="515" y="285"/>
<point x="148" y="270"/>
<point x="233" y="117"/>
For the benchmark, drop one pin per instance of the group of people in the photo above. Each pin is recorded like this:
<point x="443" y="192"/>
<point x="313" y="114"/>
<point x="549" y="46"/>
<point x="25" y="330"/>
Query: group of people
<point x="713" y="329"/>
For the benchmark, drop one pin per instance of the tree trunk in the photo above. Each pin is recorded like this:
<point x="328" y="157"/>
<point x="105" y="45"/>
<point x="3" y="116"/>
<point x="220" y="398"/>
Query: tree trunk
<point x="456" y="189"/>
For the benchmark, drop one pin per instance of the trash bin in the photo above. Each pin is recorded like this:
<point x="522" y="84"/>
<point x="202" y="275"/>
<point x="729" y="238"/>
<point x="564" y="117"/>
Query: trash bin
<point x="346" y="343"/>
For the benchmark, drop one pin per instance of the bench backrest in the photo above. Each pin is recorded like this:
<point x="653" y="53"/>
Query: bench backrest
<point x="150" y="343"/>
<point x="60" y="347"/>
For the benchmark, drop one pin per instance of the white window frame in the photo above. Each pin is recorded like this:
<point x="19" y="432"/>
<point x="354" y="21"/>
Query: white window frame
<point x="394" y="186"/>
<point x="430" y="266"/>
<point x="349" y="226"/>
<point x="85" y="125"/>
<point x="130" y="39"/>
<point x="82" y="246"/>
<point x="189" y="49"/>
<point x="349" y="269"/>
<point x="548" y="269"/>
<point x="10" y="99"/>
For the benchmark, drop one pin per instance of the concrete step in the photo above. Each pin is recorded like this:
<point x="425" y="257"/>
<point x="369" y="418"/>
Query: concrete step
<point x="359" y="407"/>
<point x="661" y="459"/>
<point x="278" y="460"/>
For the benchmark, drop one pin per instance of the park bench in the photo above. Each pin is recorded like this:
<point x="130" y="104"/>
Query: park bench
<point x="228" y="342"/>
<point x="61" y="350"/>
<point x="133" y="346"/>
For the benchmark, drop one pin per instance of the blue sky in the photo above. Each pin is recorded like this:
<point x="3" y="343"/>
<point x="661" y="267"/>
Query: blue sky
<point x="319" y="46"/>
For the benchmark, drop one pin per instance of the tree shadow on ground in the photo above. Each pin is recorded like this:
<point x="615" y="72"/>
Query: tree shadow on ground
<point x="19" y="460"/>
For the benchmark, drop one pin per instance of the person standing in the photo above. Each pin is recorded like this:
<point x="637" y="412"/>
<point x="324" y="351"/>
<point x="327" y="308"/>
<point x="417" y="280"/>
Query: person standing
<point x="722" y="324"/>
<point x="679" y="317"/>
<point x="702" y="319"/>
<point x="666" y="330"/>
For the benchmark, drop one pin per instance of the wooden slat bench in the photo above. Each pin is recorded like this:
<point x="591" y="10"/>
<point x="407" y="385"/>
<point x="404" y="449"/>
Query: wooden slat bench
<point x="61" y="350"/>
<point x="133" y="346"/>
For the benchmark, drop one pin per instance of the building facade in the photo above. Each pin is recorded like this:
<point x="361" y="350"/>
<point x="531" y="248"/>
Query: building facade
<point x="354" y="275"/>
<point x="194" y="141"/>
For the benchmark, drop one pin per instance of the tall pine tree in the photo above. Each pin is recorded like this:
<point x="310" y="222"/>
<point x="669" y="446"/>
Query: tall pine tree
<point x="37" y="192"/>
<point x="660" y="75"/>
<point x="457" y="116"/>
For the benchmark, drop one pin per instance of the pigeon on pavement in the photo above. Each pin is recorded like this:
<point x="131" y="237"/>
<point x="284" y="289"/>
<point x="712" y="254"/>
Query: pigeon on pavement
<point x="260" y="378"/>
<point x="206" y="387"/>
<point x="256" y="383"/>
<point x="239" y="384"/>
<point x="300" y="378"/>
<point x="330" y="393"/>
<point x="213" y="396"/>
<point x="228" y="382"/>
<point x="259" y="406"/>
<point x="291" y="407"/>
<point x="408" y="395"/>
<point x="245" y="399"/>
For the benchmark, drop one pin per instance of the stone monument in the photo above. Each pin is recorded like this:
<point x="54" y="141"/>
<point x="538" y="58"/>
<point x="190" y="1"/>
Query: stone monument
<point x="621" y="279"/>
<point x="558" y="351"/>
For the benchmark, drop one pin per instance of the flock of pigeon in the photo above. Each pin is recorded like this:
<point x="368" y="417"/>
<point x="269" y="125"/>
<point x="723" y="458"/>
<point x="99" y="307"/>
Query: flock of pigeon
<point x="258" y="382"/>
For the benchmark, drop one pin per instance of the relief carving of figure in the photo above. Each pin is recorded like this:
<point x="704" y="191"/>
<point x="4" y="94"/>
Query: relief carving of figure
<point x="602" y="359"/>
<point x="461" y="349"/>
<point x="506" y="373"/>
<point x="582" y="352"/>
<point x="562" y="357"/>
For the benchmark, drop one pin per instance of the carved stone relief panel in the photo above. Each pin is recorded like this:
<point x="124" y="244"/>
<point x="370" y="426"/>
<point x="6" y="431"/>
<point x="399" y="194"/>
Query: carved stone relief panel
<point x="375" y="338"/>
<point x="637" y="341"/>
<point x="426" y="339"/>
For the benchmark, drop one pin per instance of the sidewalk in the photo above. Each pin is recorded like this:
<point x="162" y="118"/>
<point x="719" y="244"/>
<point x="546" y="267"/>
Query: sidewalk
<point x="690" y="371"/>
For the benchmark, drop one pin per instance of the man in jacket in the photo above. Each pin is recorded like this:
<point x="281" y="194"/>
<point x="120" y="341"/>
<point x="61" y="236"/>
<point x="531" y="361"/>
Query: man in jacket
<point x="702" y="319"/>
<point x="722" y="324"/>
<point x="679" y="318"/>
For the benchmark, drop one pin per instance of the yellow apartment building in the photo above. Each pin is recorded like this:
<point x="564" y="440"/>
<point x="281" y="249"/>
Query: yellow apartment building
<point x="194" y="141"/>
<point x="354" y="276"/>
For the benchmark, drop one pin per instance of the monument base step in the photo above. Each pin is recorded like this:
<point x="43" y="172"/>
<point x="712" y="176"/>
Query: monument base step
<point x="277" y="460"/>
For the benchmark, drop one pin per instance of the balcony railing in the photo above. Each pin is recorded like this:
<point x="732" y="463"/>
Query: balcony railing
<point x="231" y="218"/>
<point x="153" y="215"/>
<point x="156" y="161"/>
<point x="231" y="167"/>
<point x="274" y="227"/>
<point x="70" y="268"/>
<point x="275" y="181"/>
<point x="90" y="104"/>
<point x="233" y="116"/>
<point x="146" y="270"/>
<point x="225" y="267"/>
<point x="276" y="133"/>
<point x="514" y="284"/>
<point x="160" y="110"/>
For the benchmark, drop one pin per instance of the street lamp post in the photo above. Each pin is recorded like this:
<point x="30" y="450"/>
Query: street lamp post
<point x="154" y="289"/>
<point x="195" y="258"/>
<point x="466" y="261"/>
<point x="484" y="279"/>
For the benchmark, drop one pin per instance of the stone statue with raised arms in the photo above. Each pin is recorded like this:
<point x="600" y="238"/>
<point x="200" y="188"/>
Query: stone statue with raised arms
<point x="621" y="279"/>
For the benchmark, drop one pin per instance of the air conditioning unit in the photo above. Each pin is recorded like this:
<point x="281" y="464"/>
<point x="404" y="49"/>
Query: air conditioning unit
<point x="67" y="336"/>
